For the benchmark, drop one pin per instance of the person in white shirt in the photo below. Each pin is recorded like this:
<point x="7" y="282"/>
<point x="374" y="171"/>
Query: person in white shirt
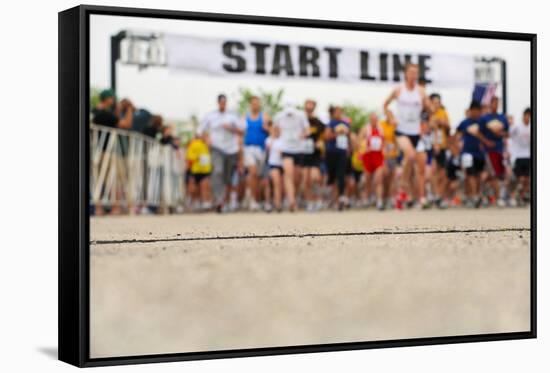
<point x="222" y="130"/>
<point x="275" y="163"/>
<point x="411" y="101"/>
<point x="520" y="151"/>
<point x="293" y="126"/>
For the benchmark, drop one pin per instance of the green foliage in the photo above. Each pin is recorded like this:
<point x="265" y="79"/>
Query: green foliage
<point x="271" y="101"/>
<point x="94" y="97"/>
<point x="357" y="114"/>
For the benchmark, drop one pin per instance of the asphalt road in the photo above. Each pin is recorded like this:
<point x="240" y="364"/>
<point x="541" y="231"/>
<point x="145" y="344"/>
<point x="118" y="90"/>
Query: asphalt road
<point x="162" y="284"/>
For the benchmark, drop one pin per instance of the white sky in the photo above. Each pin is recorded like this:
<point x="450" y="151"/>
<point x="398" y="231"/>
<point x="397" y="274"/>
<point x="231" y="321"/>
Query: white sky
<point x="179" y="95"/>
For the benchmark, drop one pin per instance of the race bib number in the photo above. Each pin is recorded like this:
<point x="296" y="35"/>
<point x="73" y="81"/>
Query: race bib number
<point x="456" y="161"/>
<point x="342" y="142"/>
<point x="421" y="146"/>
<point x="376" y="143"/>
<point x="411" y="116"/>
<point x="309" y="147"/>
<point x="204" y="160"/>
<point x="467" y="160"/>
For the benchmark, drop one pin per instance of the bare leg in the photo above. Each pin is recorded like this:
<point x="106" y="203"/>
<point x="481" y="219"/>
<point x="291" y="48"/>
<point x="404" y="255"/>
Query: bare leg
<point x="421" y="174"/>
<point x="409" y="157"/>
<point x="289" y="181"/>
<point x="275" y="175"/>
<point x="252" y="182"/>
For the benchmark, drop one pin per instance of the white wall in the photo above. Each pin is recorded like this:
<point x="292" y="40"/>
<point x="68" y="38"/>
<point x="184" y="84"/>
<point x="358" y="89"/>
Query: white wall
<point x="179" y="95"/>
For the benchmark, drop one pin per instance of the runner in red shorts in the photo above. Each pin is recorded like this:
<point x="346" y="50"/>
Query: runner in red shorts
<point x="373" y="159"/>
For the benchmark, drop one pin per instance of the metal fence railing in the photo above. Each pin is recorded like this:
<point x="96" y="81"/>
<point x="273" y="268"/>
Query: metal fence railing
<point x="131" y="170"/>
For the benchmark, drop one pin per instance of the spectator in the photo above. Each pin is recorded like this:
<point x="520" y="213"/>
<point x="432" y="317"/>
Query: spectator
<point x="107" y="112"/>
<point x="155" y="127"/>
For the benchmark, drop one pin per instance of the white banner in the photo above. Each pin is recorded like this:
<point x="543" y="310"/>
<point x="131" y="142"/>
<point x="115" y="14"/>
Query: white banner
<point x="234" y="57"/>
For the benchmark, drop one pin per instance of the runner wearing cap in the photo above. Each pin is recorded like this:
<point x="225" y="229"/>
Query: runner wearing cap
<point x="294" y="128"/>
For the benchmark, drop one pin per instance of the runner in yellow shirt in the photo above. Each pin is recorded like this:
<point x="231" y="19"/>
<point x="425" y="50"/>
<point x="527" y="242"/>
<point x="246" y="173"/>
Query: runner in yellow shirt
<point x="439" y="122"/>
<point x="200" y="166"/>
<point x="391" y="154"/>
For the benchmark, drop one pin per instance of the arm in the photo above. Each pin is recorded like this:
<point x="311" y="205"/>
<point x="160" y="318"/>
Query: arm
<point x="426" y="103"/>
<point x="236" y="126"/>
<point x="126" y="121"/>
<point x="266" y="122"/>
<point x="362" y="138"/>
<point x="484" y="140"/>
<point x="329" y="134"/>
<point x="389" y="100"/>
<point x="203" y="128"/>
<point x="305" y="124"/>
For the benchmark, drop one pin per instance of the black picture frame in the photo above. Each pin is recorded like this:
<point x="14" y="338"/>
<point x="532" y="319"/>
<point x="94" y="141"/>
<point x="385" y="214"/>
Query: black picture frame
<point x="73" y="249"/>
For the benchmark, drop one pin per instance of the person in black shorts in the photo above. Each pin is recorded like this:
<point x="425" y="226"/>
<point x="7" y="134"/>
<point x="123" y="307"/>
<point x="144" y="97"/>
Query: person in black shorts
<point x="520" y="147"/>
<point x="522" y="167"/>
<point x="311" y="158"/>
<point x="473" y="156"/>
<point x="337" y="144"/>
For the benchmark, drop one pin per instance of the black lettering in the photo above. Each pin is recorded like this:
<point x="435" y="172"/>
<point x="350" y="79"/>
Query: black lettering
<point x="365" y="66"/>
<point x="333" y="61"/>
<point x="423" y="67"/>
<point x="383" y="57"/>
<point x="399" y="67"/>
<point x="228" y="51"/>
<point x="282" y="60"/>
<point x="309" y="57"/>
<point x="260" y="56"/>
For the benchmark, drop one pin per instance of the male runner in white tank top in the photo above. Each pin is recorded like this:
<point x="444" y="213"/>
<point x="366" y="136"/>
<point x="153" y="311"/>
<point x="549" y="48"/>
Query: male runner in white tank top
<point x="411" y="100"/>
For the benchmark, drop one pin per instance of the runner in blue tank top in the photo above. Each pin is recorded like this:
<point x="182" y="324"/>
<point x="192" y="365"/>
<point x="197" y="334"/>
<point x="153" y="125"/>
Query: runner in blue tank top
<point x="257" y="126"/>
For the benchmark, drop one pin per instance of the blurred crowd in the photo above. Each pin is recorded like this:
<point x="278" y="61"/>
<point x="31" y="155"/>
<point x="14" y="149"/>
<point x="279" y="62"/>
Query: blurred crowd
<point x="409" y="155"/>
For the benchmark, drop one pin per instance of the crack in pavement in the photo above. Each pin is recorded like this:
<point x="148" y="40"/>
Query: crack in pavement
<point x="305" y="235"/>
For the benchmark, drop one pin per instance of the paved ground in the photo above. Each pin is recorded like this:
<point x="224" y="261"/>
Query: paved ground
<point x="158" y="286"/>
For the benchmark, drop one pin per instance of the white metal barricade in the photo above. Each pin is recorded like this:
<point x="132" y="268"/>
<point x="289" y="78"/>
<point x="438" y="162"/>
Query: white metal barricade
<point x="131" y="170"/>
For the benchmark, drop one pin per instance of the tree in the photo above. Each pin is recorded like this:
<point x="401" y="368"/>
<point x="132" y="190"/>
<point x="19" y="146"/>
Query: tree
<point x="271" y="101"/>
<point x="94" y="97"/>
<point x="357" y="115"/>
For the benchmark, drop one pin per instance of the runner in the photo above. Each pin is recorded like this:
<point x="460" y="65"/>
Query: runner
<point x="294" y="127"/>
<point x="495" y="128"/>
<point x="254" y="148"/>
<point x="337" y="144"/>
<point x="424" y="150"/>
<point x="451" y="172"/>
<point x="224" y="130"/>
<point x="311" y="162"/>
<point x="439" y="122"/>
<point x="472" y="155"/>
<point x="411" y="100"/>
<point x="274" y="147"/>
<point x="520" y="149"/>
<point x="373" y="159"/>
<point x="200" y="167"/>
<point x="355" y="196"/>
<point x="391" y="152"/>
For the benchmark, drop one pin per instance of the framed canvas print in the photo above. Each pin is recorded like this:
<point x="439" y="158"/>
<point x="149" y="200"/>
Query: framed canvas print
<point x="235" y="186"/>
